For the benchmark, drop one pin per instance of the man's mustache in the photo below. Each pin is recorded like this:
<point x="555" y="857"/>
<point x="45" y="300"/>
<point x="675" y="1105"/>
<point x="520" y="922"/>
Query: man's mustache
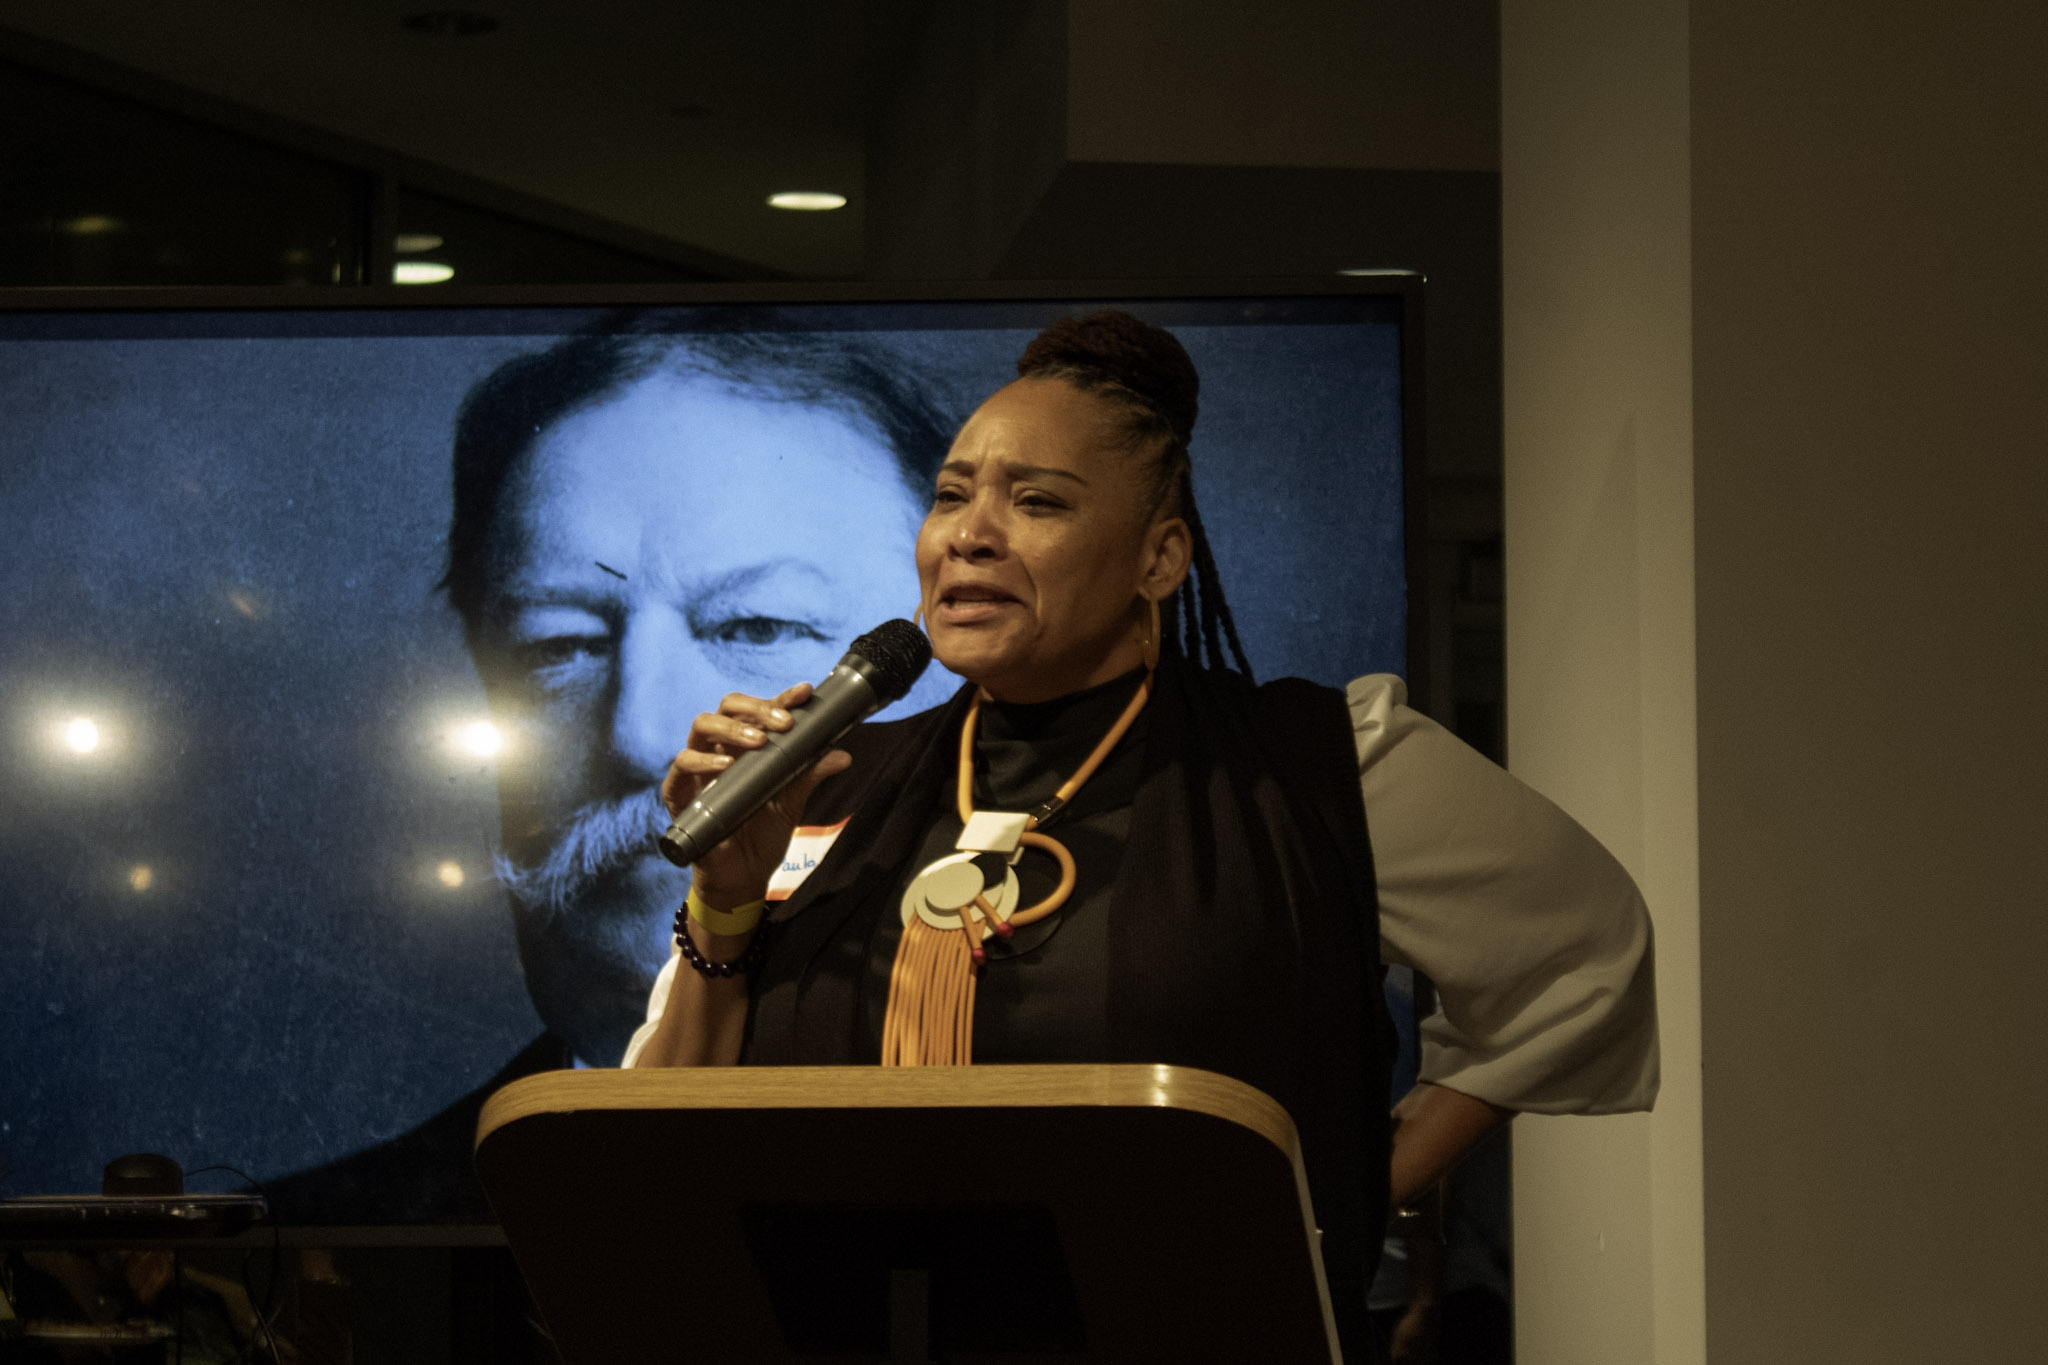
<point x="601" y="840"/>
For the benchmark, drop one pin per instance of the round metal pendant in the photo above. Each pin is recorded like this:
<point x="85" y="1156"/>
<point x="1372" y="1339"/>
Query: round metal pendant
<point x="937" y="893"/>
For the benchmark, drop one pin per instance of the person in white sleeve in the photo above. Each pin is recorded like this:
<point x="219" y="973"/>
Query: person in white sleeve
<point x="1112" y="845"/>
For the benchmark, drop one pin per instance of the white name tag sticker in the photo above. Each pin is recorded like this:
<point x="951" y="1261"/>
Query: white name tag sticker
<point x="807" y="848"/>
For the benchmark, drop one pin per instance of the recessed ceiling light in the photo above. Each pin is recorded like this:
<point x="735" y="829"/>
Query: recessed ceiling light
<point x="421" y="272"/>
<point x="807" y="201"/>
<point x="406" y="243"/>
<point x="451" y="23"/>
<point x="90" y="225"/>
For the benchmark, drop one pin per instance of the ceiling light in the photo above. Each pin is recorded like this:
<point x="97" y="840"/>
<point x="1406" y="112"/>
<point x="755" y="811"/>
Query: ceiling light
<point x="81" y="735"/>
<point x="807" y="201"/>
<point x="451" y="23"/>
<point x="421" y="272"/>
<point x="405" y="243"/>
<point x="140" y="878"/>
<point x="450" y="875"/>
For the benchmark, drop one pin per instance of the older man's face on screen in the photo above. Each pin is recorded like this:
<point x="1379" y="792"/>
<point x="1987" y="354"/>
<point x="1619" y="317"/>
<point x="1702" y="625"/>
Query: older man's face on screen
<point x="675" y="543"/>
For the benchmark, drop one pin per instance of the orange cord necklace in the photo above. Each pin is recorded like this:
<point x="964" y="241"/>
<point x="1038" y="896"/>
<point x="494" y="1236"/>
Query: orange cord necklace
<point x="947" y="910"/>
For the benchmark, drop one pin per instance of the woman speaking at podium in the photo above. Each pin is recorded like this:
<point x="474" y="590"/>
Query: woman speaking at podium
<point x="1111" y="846"/>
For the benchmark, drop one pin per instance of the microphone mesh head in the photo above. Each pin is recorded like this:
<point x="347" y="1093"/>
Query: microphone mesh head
<point x="899" y="652"/>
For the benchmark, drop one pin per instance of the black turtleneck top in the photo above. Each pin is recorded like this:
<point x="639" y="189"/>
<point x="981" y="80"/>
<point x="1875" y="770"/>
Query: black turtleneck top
<point x="1044" y="995"/>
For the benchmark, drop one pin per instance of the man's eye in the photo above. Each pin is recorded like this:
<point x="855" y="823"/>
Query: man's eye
<point x="760" y="630"/>
<point x="1039" y="502"/>
<point x="535" y="655"/>
<point x="947" y="497"/>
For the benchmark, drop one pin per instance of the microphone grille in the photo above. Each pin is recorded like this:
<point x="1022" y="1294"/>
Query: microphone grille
<point x="898" y="652"/>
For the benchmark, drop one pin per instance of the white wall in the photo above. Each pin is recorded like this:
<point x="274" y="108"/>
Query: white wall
<point x="1870" y="210"/>
<point x="1856" y="196"/>
<point x="1597" y="333"/>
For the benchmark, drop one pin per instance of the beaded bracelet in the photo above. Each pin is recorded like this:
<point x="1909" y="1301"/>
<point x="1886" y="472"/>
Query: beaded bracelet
<point x="756" y="951"/>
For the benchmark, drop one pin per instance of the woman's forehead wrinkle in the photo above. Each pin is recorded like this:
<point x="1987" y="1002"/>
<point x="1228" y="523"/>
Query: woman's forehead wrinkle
<point x="1017" y="441"/>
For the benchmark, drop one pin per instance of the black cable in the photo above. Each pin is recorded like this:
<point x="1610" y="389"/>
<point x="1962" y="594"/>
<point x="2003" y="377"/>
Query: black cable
<point x="265" y="1316"/>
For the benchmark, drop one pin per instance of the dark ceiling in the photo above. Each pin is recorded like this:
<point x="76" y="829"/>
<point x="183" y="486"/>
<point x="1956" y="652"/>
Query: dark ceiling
<point x="677" y="118"/>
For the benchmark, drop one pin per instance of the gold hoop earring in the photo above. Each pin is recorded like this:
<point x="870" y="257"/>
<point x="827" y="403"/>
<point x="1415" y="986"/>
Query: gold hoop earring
<point x="1148" y="644"/>
<point x="917" y="617"/>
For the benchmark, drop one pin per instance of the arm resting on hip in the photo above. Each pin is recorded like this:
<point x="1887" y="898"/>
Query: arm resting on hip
<point x="1434" y="1127"/>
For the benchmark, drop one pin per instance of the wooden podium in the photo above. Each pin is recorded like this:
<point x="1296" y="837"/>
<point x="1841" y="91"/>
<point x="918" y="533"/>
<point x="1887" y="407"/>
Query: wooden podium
<point x="1007" y="1213"/>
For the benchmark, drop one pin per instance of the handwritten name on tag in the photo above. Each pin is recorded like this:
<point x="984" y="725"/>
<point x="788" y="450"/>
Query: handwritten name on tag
<point x="807" y="848"/>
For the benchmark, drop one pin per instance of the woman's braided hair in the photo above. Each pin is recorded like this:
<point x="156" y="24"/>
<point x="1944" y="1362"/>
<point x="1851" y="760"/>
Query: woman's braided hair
<point x="1146" y="374"/>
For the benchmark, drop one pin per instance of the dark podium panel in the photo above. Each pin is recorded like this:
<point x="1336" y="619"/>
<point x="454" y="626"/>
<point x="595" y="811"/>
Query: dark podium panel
<point x="1000" y="1213"/>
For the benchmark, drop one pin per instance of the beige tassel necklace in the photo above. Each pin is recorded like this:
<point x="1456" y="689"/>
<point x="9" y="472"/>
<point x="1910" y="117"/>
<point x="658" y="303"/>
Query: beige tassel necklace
<point x="956" y="902"/>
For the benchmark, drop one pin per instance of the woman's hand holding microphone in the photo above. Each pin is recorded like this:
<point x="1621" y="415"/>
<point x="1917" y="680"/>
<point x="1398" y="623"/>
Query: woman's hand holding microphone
<point x="735" y="872"/>
<point x="697" y="1017"/>
<point x="703" y="1016"/>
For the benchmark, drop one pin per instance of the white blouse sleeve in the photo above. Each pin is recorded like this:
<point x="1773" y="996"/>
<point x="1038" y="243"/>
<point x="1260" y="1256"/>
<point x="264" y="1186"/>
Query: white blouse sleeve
<point x="657" y="1002"/>
<point x="1535" y="937"/>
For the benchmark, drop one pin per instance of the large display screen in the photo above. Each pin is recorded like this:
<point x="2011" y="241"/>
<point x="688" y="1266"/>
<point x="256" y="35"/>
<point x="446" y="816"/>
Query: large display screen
<point x="344" y="647"/>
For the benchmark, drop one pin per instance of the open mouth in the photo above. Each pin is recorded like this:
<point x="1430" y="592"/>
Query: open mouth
<point x="972" y="602"/>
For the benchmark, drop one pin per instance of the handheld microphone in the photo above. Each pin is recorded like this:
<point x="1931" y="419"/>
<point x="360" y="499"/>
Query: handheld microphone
<point x="879" y="668"/>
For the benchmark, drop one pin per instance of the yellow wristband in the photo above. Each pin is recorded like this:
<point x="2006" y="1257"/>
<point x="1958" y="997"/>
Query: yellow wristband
<point x="731" y="923"/>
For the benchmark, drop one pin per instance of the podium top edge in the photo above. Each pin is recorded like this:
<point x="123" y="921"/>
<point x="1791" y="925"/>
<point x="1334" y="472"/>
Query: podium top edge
<point x="1122" y="1086"/>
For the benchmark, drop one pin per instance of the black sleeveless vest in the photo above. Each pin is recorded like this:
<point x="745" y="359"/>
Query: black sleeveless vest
<point x="1242" y="938"/>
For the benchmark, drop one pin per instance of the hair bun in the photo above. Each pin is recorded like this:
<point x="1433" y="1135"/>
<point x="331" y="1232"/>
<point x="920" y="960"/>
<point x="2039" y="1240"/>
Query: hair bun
<point x="1113" y="347"/>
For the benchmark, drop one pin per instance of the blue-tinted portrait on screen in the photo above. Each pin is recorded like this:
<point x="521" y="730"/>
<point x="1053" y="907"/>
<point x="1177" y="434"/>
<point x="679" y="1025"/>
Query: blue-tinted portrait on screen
<point x="345" y="651"/>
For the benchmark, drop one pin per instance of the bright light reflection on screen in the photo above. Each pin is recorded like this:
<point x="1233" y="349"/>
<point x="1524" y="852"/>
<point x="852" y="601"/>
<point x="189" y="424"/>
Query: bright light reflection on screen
<point x="81" y="735"/>
<point x="84" y="734"/>
<point x="478" y="738"/>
